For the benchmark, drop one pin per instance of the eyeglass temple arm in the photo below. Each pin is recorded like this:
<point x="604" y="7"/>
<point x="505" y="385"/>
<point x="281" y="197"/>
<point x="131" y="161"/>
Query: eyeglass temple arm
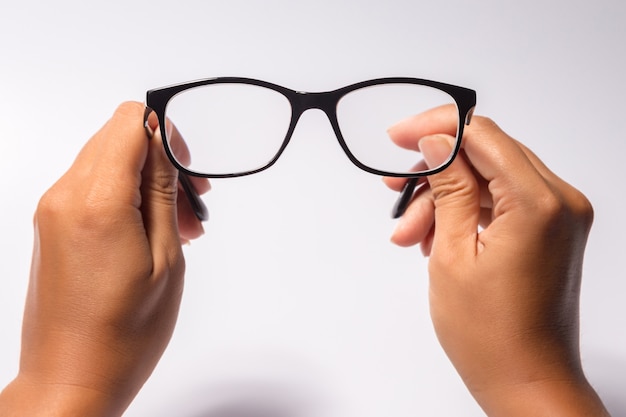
<point x="405" y="197"/>
<point x="196" y="203"/>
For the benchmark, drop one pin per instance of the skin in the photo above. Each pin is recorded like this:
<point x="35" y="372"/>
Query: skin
<point x="506" y="240"/>
<point x="106" y="277"/>
<point x="107" y="272"/>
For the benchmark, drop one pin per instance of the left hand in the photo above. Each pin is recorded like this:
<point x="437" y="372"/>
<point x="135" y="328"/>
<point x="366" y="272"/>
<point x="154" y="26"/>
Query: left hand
<point x="106" y="278"/>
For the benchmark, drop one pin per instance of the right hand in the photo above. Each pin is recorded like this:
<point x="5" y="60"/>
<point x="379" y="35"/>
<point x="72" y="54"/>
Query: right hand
<point x="506" y="239"/>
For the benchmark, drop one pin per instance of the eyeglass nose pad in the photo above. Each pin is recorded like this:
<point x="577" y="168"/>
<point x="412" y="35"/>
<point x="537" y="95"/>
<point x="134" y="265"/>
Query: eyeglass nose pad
<point x="146" y="122"/>
<point x="468" y="116"/>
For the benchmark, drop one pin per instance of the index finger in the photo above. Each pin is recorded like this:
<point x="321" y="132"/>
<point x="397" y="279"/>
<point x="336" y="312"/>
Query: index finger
<point x="492" y="152"/>
<point x="439" y="120"/>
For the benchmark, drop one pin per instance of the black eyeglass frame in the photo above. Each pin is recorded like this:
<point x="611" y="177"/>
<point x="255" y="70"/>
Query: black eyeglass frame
<point x="300" y="101"/>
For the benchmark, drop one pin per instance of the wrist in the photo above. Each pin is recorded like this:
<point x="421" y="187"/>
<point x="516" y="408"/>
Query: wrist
<point x="554" y="398"/>
<point x="29" y="398"/>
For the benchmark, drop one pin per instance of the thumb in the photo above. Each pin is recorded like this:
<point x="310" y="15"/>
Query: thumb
<point x="456" y="198"/>
<point x="159" y="188"/>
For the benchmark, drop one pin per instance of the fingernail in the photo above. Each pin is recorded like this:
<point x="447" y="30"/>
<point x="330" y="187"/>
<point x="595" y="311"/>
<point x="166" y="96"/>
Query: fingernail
<point x="436" y="150"/>
<point x="399" y="226"/>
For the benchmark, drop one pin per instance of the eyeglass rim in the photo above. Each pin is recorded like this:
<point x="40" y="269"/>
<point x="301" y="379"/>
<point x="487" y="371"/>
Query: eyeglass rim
<point x="157" y="100"/>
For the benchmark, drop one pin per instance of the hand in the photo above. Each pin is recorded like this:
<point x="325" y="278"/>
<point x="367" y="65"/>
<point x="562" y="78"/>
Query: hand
<point x="106" y="278"/>
<point x="506" y="239"/>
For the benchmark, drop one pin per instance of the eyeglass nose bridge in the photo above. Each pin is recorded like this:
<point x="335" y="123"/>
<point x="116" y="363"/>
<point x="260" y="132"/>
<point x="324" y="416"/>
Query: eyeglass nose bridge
<point x="327" y="102"/>
<point x="302" y="101"/>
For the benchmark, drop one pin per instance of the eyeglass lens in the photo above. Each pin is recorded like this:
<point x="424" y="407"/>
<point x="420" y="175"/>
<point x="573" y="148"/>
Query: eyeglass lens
<point x="236" y="127"/>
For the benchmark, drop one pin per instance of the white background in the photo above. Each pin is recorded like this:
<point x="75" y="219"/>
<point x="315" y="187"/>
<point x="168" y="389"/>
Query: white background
<point x="296" y="304"/>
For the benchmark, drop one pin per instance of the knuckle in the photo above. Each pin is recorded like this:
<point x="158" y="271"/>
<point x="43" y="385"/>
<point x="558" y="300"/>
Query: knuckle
<point x="457" y="188"/>
<point x="87" y="213"/>
<point x="50" y="206"/>
<point x="484" y="123"/>
<point x="581" y="208"/>
<point x="129" y="108"/>
<point x="567" y="205"/>
<point x="165" y="181"/>
<point x="162" y="188"/>
<point x="551" y="205"/>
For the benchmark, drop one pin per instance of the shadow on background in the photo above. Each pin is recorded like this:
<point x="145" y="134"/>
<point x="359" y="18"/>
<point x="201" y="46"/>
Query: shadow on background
<point x="292" y="398"/>
<point x="607" y="374"/>
<point x="254" y="399"/>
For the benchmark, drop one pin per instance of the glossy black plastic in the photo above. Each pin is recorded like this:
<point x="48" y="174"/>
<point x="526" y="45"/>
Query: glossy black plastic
<point x="157" y="100"/>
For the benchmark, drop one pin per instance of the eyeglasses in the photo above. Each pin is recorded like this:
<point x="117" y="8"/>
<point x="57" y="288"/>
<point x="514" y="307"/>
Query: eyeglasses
<point x="239" y="126"/>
